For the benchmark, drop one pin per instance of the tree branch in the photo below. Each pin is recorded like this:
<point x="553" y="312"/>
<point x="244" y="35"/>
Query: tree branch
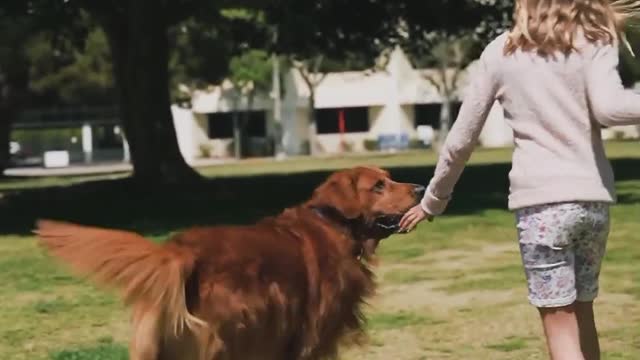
<point x="104" y="8"/>
<point x="434" y="81"/>
<point x="311" y="79"/>
<point x="457" y="71"/>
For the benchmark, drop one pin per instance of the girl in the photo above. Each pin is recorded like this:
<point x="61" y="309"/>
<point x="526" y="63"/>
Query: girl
<point x="555" y="74"/>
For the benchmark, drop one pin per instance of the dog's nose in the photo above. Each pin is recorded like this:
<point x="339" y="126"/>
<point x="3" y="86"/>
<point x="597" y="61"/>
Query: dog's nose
<point x="419" y="190"/>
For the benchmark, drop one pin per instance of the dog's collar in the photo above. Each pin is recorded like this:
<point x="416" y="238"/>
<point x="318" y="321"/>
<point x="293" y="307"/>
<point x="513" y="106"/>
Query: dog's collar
<point x="345" y="225"/>
<point x="320" y="212"/>
<point x="331" y="215"/>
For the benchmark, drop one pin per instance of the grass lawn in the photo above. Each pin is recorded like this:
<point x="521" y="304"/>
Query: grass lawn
<point x="453" y="289"/>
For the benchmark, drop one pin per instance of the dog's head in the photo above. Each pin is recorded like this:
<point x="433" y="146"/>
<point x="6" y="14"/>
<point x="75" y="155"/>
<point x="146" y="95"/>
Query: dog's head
<point x="367" y="198"/>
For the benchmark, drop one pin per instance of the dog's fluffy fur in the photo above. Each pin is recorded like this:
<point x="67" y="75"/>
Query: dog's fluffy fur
<point x="289" y="287"/>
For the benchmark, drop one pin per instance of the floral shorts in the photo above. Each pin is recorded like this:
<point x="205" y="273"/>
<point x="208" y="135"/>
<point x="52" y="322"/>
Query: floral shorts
<point x="562" y="246"/>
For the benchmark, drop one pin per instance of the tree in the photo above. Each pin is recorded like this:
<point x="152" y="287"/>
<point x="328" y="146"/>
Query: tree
<point x="14" y="75"/>
<point x="310" y="72"/>
<point x="629" y="64"/>
<point x="313" y="71"/>
<point x="137" y="38"/>
<point x="18" y="29"/>
<point x="448" y="59"/>
<point x="70" y="74"/>
<point x="311" y="33"/>
<point x="330" y="35"/>
<point x="449" y="45"/>
<point x="201" y="50"/>
<point x="137" y="32"/>
<point x="249" y="72"/>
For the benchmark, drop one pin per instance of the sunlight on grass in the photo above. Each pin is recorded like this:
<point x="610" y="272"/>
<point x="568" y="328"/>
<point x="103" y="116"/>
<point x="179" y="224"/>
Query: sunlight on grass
<point x="262" y="166"/>
<point x="453" y="289"/>
<point x="496" y="278"/>
<point x="509" y="344"/>
<point x="387" y="321"/>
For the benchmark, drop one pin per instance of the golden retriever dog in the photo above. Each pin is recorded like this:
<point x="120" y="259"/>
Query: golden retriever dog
<point x="290" y="287"/>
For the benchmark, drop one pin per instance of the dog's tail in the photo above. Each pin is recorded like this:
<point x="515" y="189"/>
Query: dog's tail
<point x="142" y="270"/>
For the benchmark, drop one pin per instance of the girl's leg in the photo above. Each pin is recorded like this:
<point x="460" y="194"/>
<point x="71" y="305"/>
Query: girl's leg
<point x="547" y="234"/>
<point x="590" y="248"/>
<point x="588" y="333"/>
<point x="561" y="330"/>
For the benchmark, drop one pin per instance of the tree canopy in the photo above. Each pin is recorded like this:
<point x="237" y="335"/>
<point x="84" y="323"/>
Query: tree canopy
<point x="149" y="47"/>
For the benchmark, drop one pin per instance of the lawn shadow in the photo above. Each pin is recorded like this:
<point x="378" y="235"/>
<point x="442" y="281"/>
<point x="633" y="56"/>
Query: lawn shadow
<point x="233" y="200"/>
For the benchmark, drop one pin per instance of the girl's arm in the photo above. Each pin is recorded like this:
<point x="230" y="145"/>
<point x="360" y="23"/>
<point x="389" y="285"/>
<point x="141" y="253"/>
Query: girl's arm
<point x="610" y="102"/>
<point x="463" y="137"/>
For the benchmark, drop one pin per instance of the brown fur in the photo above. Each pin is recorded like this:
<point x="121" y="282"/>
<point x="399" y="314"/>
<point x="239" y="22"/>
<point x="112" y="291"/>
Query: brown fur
<point x="289" y="287"/>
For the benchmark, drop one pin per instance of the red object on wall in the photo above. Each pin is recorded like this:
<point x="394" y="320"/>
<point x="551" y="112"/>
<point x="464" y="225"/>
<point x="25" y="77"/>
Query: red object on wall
<point x="341" y="124"/>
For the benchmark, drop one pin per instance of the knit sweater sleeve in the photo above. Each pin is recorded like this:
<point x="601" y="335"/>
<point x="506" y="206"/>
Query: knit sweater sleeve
<point x="461" y="141"/>
<point x="611" y="104"/>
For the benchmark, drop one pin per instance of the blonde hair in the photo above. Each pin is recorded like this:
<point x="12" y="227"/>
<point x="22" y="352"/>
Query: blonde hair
<point x="550" y="26"/>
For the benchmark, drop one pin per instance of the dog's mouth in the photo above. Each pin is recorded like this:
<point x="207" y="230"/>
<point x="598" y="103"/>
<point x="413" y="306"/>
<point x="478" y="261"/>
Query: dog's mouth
<point x="390" y="223"/>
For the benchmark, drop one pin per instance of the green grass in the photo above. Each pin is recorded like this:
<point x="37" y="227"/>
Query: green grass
<point x="453" y="289"/>
<point x="399" y="320"/>
<point x="103" y="351"/>
<point x="17" y="184"/>
<point x="494" y="278"/>
<point x="509" y="344"/>
<point x="406" y="159"/>
<point x="294" y="165"/>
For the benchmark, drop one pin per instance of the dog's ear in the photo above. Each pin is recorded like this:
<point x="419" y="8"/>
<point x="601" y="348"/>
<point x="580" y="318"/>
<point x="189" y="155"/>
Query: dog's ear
<point x="339" y="193"/>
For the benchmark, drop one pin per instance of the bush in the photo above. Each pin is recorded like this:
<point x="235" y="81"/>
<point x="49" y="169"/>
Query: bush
<point x="371" y="145"/>
<point x="205" y="150"/>
<point x="305" y="147"/>
<point x="417" y="144"/>
<point x="346" y="146"/>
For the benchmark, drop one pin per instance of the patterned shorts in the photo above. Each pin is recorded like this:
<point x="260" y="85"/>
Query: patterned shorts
<point x="562" y="246"/>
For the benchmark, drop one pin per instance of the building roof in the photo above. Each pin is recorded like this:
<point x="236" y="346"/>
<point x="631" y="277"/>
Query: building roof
<point x="398" y="83"/>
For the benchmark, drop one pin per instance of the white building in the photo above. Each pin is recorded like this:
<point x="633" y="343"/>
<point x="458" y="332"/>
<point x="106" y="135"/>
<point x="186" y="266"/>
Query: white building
<point x="392" y="102"/>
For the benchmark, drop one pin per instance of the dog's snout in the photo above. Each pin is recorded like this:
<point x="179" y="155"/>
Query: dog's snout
<point x="419" y="190"/>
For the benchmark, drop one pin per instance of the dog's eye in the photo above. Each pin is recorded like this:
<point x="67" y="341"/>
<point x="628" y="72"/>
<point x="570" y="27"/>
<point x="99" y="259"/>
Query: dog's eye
<point x="379" y="186"/>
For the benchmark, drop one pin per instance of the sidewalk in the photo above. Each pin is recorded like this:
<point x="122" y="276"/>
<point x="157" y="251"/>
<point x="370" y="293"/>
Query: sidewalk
<point x="120" y="167"/>
<point x="95" y="169"/>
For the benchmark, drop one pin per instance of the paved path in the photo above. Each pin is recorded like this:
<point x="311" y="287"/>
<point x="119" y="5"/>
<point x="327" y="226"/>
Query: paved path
<point x="94" y="169"/>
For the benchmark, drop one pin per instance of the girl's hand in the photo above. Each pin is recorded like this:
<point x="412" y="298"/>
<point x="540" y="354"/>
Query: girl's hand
<point x="413" y="217"/>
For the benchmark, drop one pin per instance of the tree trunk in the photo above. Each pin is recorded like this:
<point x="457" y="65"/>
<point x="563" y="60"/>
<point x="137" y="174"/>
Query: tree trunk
<point x="13" y="93"/>
<point x="237" y="131"/>
<point x="445" y="118"/>
<point x="312" y="82"/>
<point x="140" y="52"/>
<point x="313" y="125"/>
<point x="277" y="131"/>
<point x="245" y="137"/>
<point x="6" y="118"/>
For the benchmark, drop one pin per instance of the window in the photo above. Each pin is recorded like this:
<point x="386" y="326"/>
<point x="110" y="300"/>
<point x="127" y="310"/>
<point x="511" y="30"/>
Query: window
<point x="106" y="137"/>
<point x="429" y="114"/>
<point x="221" y="124"/>
<point x="257" y="125"/>
<point x="356" y="119"/>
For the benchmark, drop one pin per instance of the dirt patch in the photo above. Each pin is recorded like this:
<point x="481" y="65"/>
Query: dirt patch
<point x="425" y="296"/>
